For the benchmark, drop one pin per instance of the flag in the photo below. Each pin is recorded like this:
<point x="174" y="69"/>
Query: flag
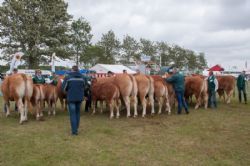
<point x="53" y="62"/>
<point x="16" y="61"/>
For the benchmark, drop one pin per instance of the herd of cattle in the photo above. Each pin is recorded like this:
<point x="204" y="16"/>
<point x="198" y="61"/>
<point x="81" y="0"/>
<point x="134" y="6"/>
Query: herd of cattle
<point x="121" y="88"/>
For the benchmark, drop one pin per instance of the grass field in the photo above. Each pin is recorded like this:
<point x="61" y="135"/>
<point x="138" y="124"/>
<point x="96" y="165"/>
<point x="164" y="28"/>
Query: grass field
<point x="204" y="137"/>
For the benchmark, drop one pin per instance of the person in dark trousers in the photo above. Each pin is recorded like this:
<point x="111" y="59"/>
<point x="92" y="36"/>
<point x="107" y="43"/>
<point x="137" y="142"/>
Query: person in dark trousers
<point x="241" y="85"/>
<point x="177" y="80"/>
<point x="87" y="92"/>
<point x="74" y="84"/>
<point x="212" y="89"/>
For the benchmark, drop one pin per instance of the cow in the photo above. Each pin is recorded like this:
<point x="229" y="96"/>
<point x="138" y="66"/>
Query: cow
<point x="18" y="88"/>
<point x="197" y="86"/>
<point x="106" y="91"/>
<point x="161" y="93"/>
<point x="226" y="85"/>
<point x="50" y="97"/>
<point x="60" y="94"/>
<point x="37" y="99"/>
<point x="145" y="86"/>
<point x="171" y="92"/>
<point x="127" y="87"/>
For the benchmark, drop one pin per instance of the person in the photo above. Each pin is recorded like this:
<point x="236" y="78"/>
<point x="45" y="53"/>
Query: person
<point x="212" y="89"/>
<point x="87" y="92"/>
<point x="178" y="83"/>
<point x="53" y="79"/>
<point x="74" y="85"/>
<point x="241" y="85"/>
<point x="110" y="74"/>
<point x="124" y="71"/>
<point x="38" y="78"/>
<point x="15" y="71"/>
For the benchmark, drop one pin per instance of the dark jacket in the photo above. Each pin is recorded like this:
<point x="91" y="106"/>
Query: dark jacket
<point x="178" y="81"/>
<point x="74" y="84"/>
<point x="241" y="82"/>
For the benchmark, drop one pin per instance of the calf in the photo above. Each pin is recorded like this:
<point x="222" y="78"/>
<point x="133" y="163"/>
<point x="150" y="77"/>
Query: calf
<point x="18" y="88"/>
<point x="226" y="85"/>
<point x="161" y="93"/>
<point x="60" y="94"/>
<point x="50" y="97"/>
<point x="106" y="91"/>
<point x="37" y="99"/>
<point x="197" y="86"/>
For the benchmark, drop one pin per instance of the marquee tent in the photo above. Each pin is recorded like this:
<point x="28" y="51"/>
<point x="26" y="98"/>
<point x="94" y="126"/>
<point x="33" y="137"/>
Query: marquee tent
<point x="104" y="68"/>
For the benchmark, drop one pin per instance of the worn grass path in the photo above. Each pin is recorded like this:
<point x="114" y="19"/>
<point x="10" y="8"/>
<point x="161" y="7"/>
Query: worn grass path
<point x="204" y="137"/>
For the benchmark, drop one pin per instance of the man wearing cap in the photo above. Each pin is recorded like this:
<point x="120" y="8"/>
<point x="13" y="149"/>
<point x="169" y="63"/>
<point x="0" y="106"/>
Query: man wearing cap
<point x="74" y="85"/>
<point x="212" y="89"/>
<point x="177" y="80"/>
<point x="38" y="79"/>
<point x="241" y="85"/>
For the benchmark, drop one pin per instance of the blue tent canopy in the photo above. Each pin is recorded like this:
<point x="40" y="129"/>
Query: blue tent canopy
<point x="82" y="71"/>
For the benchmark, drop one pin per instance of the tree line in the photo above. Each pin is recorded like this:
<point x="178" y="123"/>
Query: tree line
<point x="39" y="28"/>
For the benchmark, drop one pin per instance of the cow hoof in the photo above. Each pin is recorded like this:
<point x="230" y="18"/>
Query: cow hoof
<point x="159" y="113"/>
<point x="117" y="117"/>
<point x="7" y="115"/>
<point x="135" y="116"/>
<point x="169" y="113"/>
<point x="111" y="117"/>
<point x="143" y="116"/>
<point x="21" y="122"/>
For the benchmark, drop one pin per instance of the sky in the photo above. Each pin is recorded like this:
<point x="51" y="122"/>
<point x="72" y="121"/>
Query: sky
<point x="219" y="28"/>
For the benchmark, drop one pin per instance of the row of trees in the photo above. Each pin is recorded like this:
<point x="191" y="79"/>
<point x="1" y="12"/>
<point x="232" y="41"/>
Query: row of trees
<point x="39" y="28"/>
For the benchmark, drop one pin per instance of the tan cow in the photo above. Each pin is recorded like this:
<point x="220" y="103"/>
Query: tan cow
<point x="145" y="86"/>
<point x="226" y="85"/>
<point x="37" y="99"/>
<point x="161" y="93"/>
<point x="18" y="88"/>
<point x="50" y="97"/>
<point x="197" y="86"/>
<point x="127" y="87"/>
<point x="106" y="91"/>
<point x="61" y="95"/>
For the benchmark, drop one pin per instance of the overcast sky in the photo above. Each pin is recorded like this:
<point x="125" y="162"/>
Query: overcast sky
<point x="220" y="28"/>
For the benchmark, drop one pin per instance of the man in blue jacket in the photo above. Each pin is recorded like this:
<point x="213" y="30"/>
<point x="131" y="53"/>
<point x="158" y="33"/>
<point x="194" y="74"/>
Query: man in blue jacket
<point x="177" y="80"/>
<point x="74" y="84"/>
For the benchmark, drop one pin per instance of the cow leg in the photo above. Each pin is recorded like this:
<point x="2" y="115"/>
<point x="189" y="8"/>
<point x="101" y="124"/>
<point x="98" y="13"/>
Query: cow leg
<point x="127" y="103"/>
<point x="168" y="107"/>
<point x="151" y="99"/>
<point x="135" y="106"/>
<point x="229" y="96"/>
<point x="198" y="101"/>
<point x="111" y="107"/>
<point x="159" y="99"/>
<point x="6" y="108"/>
<point x="144" y="105"/>
<point x="117" y="105"/>
<point x="49" y="105"/>
<point x="21" y="109"/>
<point x="206" y="100"/>
<point x="94" y="106"/>
<point x="54" y="108"/>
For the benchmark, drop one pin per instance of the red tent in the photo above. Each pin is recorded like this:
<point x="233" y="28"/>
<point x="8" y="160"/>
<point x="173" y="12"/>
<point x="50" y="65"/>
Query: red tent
<point x="216" y="68"/>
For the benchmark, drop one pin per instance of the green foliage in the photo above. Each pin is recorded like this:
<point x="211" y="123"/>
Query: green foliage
<point x="93" y="55"/>
<point x="130" y="49"/>
<point x="111" y="46"/>
<point x="80" y="38"/>
<point x="148" y="48"/>
<point x="34" y="27"/>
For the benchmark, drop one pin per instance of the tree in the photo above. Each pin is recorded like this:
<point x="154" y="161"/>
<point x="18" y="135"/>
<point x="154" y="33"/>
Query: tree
<point x="148" y="48"/>
<point x="93" y="55"/>
<point x="36" y="28"/>
<point x="130" y="48"/>
<point x="80" y="38"/>
<point x="201" y="60"/>
<point x="111" y="46"/>
<point x="191" y="59"/>
<point x="164" y="51"/>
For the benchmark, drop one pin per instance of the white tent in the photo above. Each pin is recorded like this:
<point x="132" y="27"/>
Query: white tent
<point x="104" y="68"/>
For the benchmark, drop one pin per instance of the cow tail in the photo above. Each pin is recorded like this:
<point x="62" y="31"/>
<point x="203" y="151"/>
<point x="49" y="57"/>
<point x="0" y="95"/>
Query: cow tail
<point x="134" y="87"/>
<point x="151" y="87"/>
<point x="26" y="92"/>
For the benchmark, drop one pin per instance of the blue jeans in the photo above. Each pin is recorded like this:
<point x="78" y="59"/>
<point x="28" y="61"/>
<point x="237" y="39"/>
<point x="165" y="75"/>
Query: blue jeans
<point x="212" y="99"/>
<point x="181" y="101"/>
<point x="243" y="90"/>
<point x="74" y="112"/>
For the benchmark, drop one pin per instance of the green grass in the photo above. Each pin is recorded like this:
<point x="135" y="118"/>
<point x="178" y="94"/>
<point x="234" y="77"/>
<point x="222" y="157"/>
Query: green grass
<point x="204" y="137"/>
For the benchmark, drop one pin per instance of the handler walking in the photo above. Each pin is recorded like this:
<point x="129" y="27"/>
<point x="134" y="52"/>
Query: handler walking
<point x="241" y="85"/>
<point x="74" y="84"/>
<point x="177" y="80"/>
